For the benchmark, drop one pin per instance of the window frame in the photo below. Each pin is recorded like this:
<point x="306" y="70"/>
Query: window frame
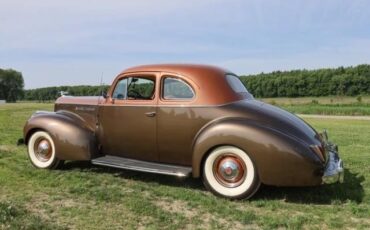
<point x="144" y="76"/>
<point x="116" y="85"/>
<point x="163" y="78"/>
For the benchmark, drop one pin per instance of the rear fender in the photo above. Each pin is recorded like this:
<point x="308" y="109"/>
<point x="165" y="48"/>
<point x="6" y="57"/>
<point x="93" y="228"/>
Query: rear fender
<point x="280" y="159"/>
<point x="73" y="139"/>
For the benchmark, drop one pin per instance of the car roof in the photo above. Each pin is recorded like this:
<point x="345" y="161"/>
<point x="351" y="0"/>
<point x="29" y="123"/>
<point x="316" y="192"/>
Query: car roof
<point x="177" y="68"/>
<point x="195" y="72"/>
<point x="210" y="81"/>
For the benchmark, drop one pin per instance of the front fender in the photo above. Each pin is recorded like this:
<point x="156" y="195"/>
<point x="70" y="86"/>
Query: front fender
<point x="73" y="139"/>
<point x="280" y="159"/>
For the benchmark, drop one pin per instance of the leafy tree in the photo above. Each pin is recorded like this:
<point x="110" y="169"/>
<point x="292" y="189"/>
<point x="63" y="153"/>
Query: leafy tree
<point x="11" y="85"/>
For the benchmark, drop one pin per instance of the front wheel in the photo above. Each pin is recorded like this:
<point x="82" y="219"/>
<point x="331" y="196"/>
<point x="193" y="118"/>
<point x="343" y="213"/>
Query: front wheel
<point x="229" y="172"/>
<point x="41" y="151"/>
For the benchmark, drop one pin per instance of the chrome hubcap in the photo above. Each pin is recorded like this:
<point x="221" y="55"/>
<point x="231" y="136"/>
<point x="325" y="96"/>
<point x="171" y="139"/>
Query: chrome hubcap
<point x="229" y="170"/>
<point x="43" y="150"/>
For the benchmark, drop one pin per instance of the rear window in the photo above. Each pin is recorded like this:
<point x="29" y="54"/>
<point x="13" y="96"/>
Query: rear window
<point x="236" y="84"/>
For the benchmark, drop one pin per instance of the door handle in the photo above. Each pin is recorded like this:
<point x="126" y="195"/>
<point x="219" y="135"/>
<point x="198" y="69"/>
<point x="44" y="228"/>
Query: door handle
<point x="150" y="114"/>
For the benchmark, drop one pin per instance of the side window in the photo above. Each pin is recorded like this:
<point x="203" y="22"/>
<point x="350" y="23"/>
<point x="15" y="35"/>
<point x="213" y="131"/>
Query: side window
<point x="174" y="88"/>
<point x="120" y="90"/>
<point x="140" y="88"/>
<point x="134" y="88"/>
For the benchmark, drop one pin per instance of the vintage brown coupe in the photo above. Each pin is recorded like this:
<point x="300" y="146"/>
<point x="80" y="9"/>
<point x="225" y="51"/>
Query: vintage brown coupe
<point x="185" y="120"/>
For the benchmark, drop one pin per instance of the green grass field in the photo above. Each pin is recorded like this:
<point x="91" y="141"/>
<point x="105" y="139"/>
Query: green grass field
<point x="83" y="196"/>
<point x="333" y="105"/>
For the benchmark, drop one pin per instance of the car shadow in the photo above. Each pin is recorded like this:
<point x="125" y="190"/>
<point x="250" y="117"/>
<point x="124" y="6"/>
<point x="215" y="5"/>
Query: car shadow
<point x="350" y="190"/>
<point x="186" y="182"/>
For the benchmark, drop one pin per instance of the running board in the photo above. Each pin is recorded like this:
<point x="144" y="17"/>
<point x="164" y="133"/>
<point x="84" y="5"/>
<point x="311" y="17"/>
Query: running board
<point x="144" y="166"/>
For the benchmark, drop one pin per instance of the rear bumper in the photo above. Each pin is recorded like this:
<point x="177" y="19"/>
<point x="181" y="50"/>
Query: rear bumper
<point x="334" y="170"/>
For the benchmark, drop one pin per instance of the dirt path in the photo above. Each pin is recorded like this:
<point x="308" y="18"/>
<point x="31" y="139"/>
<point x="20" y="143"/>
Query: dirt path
<point x="334" y="117"/>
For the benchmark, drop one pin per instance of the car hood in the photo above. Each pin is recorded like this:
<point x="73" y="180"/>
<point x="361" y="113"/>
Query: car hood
<point x="82" y="100"/>
<point x="279" y="119"/>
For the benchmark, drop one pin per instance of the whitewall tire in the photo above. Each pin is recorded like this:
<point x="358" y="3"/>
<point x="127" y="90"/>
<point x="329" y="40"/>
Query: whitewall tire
<point x="229" y="172"/>
<point x="41" y="151"/>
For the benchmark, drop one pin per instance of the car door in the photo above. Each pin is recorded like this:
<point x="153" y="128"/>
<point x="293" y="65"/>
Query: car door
<point x="178" y="121"/>
<point x="127" y="120"/>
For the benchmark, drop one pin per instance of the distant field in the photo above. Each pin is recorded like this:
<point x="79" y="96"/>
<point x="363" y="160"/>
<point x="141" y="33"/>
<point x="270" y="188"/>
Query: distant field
<point x="353" y="106"/>
<point x="83" y="196"/>
<point x="332" y="100"/>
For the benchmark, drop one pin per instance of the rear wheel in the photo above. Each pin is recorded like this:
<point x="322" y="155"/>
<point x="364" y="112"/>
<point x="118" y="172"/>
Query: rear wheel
<point x="229" y="172"/>
<point x="41" y="151"/>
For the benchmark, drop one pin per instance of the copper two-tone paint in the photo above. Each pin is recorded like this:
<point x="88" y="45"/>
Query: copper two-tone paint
<point x="183" y="132"/>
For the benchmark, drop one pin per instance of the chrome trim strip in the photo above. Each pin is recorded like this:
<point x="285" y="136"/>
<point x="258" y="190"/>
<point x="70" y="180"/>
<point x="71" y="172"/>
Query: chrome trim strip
<point x="142" y="169"/>
<point x="162" y="105"/>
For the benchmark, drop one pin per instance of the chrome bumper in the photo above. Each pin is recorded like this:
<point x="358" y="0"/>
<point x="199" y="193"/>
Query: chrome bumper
<point x="334" y="171"/>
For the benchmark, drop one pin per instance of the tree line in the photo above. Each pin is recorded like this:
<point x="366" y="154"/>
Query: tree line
<point x="349" y="81"/>
<point x="52" y="93"/>
<point x="343" y="81"/>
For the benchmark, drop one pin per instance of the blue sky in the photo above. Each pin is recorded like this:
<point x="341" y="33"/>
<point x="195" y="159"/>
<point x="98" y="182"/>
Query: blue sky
<point x="74" y="42"/>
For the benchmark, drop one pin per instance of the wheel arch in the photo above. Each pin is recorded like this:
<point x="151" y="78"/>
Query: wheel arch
<point x="215" y="134"/>
<point x="30" y="133"/>
<point x="277" y="157"/>
<point x="73" y="141"/>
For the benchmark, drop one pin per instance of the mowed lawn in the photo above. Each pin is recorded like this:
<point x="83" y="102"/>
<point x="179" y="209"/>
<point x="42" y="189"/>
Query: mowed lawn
<point x="83" y="196"/>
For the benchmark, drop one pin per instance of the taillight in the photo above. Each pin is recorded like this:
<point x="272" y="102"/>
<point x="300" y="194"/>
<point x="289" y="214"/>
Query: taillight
<point x="319" y="150"/>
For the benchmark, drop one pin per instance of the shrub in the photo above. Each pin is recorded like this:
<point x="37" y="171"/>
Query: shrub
<point x="359" y="99"/>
